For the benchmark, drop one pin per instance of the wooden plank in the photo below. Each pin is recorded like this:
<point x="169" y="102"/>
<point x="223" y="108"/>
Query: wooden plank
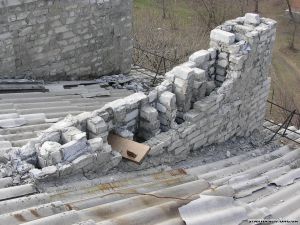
<point x="20" y="81"/>
<point x="21" y="85"/>
<point x="130" y="150"/>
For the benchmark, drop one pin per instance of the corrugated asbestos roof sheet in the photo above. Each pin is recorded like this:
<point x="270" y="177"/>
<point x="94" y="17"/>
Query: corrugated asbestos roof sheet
<point x="229" y="191"/>
<point x="24" y="115"/>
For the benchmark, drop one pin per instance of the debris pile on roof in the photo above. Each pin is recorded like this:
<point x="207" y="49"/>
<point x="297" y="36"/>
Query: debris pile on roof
<point x="218" y="94"/>
<point x="199" y="195"/>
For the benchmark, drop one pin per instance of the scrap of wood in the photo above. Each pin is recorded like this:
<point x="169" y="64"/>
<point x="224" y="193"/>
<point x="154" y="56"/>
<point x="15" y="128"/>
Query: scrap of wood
<point x="129" y="149"/>
<point x="21" y="85"/>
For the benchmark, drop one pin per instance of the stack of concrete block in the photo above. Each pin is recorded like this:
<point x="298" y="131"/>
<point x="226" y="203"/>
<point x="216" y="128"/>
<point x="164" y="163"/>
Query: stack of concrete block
<point x="50" y="154"/>
<point x="133" y="105"/>
<point x="70" y="46"/>
<point x="97" y="127"/>
<point x="74" y="144"/>
<point x="125" y="113"/>
<point x="205" y="60"/>
<point x="200" y="84"/>
<point x="96" y="144"/>
<point x="72" y="134"/>
<point x="201" y="59"/>
<point x="149" y="123"/>
<point x="167" y="110"/>
<point x="64" y="149"/>
<point x="74" y="149"/>
<point x="212" y="69"/>
<point x="183" y="87"/>
<point x="221" y="67"/>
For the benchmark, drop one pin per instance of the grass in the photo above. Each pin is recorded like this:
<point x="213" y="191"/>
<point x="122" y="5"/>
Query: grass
<point x="143" y="3"/>
<point x="181" y="9"/>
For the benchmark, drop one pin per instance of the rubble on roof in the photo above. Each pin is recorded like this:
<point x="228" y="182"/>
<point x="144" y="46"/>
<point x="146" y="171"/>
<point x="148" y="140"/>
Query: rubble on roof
<point x="218" y="94"/>
<point x="170" y="197"/>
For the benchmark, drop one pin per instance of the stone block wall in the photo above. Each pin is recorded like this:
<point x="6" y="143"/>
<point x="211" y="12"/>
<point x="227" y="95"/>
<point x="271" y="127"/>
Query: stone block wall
<point x="218" y="94"/>
<point x="51" y="40"/>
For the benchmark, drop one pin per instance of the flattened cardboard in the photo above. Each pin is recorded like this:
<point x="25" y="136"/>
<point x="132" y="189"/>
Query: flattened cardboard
<point x="130" y="150"/>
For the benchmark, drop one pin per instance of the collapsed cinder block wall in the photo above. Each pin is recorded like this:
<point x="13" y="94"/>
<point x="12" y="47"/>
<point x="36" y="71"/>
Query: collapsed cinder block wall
<point x="218" y="94"/>
<point x="66" y="39"/>
<point x="233" y="74"/>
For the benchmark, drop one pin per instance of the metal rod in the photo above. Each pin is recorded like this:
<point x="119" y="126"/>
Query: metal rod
<point x="290" y="120"/>
<point x="283" y="137"/>
<point x="284" y="123"/>
<point x="279" y="106"/>
<point x="272" y="101"/>
<point x="286" y="129"/>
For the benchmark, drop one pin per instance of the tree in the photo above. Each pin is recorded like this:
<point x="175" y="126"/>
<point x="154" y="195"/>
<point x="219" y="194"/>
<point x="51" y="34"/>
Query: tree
<point x="294" y="22"/>
<point x="164" y="8"/>
<point x="212" y="13"/>
<point x="256" y="6"/>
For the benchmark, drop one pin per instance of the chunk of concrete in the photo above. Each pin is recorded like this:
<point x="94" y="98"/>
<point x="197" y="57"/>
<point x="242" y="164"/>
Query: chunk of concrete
<point x="168" y="99"/>
<point x="149" y="113"/>
<point x="222" y="36"/>
<point x="49" y="135"/>
<point x="183" y="72"/>
<point x="96" y="144"/>
<point x="132" y="115"/>
<point x="200" y="75"/>
<point x="133" y="101"/>
<point x="50" y="171"/>
<point x="72" y="133"/>
<point x="82" y="161"/>
<point x="74" y="149"/>
<point x="252" y="18"/>
<point x="223" y="63"/>
<point x="213" y="53"/>
<point x="200" y="57"/>
<point x="50" y="154"/>
<point x="96" y="125"/>
<point x="152" y="95"/>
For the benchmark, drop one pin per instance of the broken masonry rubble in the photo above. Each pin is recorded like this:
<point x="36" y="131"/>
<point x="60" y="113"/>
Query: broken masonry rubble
<point x="217" y="94"/>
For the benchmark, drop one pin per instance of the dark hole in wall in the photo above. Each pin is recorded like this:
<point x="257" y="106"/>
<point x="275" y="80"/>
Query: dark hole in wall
<point x="179" y="120"/>
<point x="139" y="139"/>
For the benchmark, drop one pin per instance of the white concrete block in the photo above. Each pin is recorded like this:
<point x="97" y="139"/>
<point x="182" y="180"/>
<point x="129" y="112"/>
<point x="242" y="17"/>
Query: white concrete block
<point x="96" y="125"/>
<point x="222" y="36"/>
<point x="149" y="113"/>
<point x="252" y="18"/>
<point x="73" y="149"/>
<point x="200" y="75"/>
<point x="132" y="115"/>
<point x="200" y="57"/>
<point x="168" y="99"/>
<point x="72" y="133"/>
<point x="183" y="72"/>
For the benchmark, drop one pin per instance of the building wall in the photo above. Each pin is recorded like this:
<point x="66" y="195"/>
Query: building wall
<point x="218" y="94"/>
<point x="48" y="39"/>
